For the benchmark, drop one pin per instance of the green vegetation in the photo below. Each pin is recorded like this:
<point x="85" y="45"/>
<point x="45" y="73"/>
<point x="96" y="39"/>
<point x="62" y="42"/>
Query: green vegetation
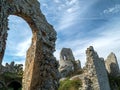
<point x="12" y="76"/>
<point x="114" y="81"/>
<point x="2" y="88"/>
<point x="8" y="76"/>
<point x="70" y="84"/>
<point x="19" y="69"/>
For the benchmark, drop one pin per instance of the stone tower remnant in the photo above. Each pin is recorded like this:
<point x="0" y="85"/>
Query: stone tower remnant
<point x="112" y="65"/>
<point x="41" y="67"/>
<point x="67" y="62"/>
<point x="95" y="72"/>
<point x="66" y="54"/>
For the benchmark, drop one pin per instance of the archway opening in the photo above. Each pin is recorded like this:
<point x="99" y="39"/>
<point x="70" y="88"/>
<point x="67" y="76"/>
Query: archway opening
<point x="17" y="44"/>
<point x="18" y="40"/>
<point x="14" y="85"/>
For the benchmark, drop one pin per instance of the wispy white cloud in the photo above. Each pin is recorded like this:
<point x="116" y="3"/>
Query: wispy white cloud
<point x="22" y="47"/>
<point x="69" y="18"/>
<point x="19" y="39"/>
<point x="56" y="1"/>
<point x="63" y="14"/>
<point x="107" y="42"/>
<point x="112" y="10"/>
<point x="72" y="13"/>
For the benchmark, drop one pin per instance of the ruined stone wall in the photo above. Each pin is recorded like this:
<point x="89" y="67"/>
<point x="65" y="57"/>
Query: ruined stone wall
<point x="41" y="67"/>
<point x="66" y="54"/>
<point x="67" y="62"/>
<point x="95" y="71"/>
<point x="112" y="65"/>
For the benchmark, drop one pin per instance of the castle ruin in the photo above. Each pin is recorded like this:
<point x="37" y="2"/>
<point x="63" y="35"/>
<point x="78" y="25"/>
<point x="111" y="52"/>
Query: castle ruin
<point x="41" y="67"/>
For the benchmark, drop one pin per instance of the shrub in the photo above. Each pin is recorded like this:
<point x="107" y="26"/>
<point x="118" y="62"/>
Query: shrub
<point x="70" y="84"/>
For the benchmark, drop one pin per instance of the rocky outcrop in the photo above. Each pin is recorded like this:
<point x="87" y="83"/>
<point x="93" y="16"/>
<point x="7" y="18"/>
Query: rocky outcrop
<point x="112" y="65"/>
<point x="41" y="67"/>
<point x="67" y="62"/>
<point x="95" y="74"/>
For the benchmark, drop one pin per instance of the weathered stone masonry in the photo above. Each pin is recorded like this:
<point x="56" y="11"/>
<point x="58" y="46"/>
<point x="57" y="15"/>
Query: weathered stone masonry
<point x="41" y="67"/>
<point x="95" y="71"/>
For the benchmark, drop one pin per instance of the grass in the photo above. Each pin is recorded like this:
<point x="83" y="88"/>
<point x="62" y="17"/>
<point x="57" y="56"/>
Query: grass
<point x="70" y="84"/>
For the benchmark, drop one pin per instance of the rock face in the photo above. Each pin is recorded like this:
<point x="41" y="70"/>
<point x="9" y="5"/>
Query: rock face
<point x="67" y="62"/>
<point x="41" y="67"/>
<point x="95" y="74"/>
<point x="112" y="65"/>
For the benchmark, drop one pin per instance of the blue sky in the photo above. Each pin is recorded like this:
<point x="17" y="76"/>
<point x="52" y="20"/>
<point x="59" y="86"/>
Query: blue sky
<point x="79" y="24"/>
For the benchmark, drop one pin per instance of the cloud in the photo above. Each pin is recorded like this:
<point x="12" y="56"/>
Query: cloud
<point x="56" y="1"/>
<point x="113" y="10"/>
<point x="22" y="48"/>
<point x="107" y="41"/>
<point x="19" y="39"/>
<point x="70" y="13"/>
<point x="69" y="18"/>
<point x="78" y="26"/>
<point x="64" y="13"/>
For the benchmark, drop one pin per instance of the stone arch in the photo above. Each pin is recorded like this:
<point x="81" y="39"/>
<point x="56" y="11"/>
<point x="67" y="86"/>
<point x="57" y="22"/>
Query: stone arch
<point x="41" y="67"/>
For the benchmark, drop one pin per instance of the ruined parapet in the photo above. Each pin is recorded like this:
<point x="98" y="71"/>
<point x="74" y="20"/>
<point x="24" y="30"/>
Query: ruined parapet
<point x="41" y="67"/>
<point x="67" y="62"/>
<point x="95" y="72"/>
<point x="77" y="65"/>
<point x="66" y="68"/>
<point x="12" y="68"/>
<point x="66" y="54"/>
<point x="112" y="65"/>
